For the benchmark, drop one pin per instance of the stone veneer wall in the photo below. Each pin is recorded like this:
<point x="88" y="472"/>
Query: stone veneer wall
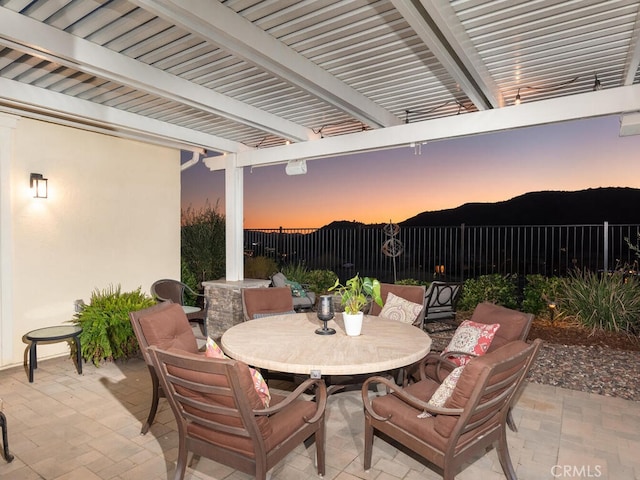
<point x="225" y="303"/>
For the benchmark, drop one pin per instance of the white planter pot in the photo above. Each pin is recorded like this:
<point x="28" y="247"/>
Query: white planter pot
<point x="353" y="323"/>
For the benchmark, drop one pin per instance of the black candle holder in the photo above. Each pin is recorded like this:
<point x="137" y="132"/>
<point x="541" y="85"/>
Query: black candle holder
<point x="325" y="313"/>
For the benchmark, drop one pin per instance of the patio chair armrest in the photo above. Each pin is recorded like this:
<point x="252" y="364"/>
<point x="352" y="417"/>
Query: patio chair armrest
<point x="205" y="300"/>
<point x="320" y="398"/>
<point x="441" y="364"/>
<point x="401" y="394"/>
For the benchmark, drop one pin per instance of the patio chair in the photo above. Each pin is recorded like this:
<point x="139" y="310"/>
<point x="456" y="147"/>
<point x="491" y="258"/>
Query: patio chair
<point x="262" y="302"/>
<point x="303" y="298"/>
<point x="221" y="417"/>
<point x="459" y="427"/>
<point x="176" y="291"/>
<point x="514" y="325"/>
<point x="440" y="305"/>
<point x="412" y="293"/>
<point x="165" y="325"/>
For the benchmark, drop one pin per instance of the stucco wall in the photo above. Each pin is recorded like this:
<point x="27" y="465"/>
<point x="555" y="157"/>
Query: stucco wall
<point x="112" y="217"/>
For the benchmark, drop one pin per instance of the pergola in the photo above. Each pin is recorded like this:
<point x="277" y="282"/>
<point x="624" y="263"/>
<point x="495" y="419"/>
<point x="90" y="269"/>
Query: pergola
<point x="261" y="82"/>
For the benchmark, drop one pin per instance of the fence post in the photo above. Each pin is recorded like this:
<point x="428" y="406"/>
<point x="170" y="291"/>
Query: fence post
<point x="606" y="247"/>
<point x="462" y="252"/>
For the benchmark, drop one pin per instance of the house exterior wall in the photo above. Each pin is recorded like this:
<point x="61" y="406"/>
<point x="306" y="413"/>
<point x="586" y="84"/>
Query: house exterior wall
<point x="112" y="218"/>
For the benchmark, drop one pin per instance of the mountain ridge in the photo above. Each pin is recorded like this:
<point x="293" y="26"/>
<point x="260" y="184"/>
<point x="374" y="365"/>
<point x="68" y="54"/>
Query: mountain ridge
<point x="617" y="205"/>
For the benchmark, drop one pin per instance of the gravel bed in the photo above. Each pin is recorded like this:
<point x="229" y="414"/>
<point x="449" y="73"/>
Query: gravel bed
<point x="592" y="369"/>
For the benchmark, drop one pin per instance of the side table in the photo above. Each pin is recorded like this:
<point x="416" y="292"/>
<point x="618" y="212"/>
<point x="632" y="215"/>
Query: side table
<point x="51" y="335"/>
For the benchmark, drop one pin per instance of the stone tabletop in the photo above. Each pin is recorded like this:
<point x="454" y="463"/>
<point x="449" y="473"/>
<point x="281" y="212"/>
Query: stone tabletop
<point x="288" y="343"/>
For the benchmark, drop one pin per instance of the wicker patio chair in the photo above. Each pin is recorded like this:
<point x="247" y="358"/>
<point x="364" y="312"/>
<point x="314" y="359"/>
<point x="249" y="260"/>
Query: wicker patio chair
<point x="176" y="291"/>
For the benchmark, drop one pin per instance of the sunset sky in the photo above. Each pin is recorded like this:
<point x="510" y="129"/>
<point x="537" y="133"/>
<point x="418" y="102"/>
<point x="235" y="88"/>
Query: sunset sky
<point x="397" y="184"/>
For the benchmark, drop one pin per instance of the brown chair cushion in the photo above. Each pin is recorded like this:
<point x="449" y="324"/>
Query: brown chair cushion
<point x="274" y="429"/>
<point x="280" y="427"/>
<point x="168" y="329"/>
<point x="464" y="388"/>
<point x="271" y="300"/>
<point x="511" y="322"/>
<point x="406" y="417"/>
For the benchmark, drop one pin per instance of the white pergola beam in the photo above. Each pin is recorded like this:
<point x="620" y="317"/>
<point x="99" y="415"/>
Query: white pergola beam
<point x="39" y="103"/>
<point x="585" y="105"/>
<point x="633" y="57"/>
<point x="453" y="48"/>
<point x="218" y="24"/>
<point x="38" y="39"/>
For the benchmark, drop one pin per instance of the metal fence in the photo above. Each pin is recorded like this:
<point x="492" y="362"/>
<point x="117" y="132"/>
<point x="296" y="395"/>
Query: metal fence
<point x="452" y="253"/>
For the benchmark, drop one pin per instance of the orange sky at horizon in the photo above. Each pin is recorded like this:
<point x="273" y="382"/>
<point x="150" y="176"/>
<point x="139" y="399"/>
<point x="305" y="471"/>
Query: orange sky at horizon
<point x="394" y="185"/>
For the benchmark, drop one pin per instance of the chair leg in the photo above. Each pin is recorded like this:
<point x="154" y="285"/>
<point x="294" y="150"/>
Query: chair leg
<point x="5" y="438"/>
<point x="504" y="457"/>
<point x="368" y="443"/>
<point x="510" y="422"/>
<point x="155" y="385"/>
<point x="181" y="465"/>
<point x="320" y="448"/>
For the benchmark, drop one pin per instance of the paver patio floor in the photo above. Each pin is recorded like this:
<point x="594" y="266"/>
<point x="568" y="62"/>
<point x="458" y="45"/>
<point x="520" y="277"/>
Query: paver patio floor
<point x="66" y="426"/>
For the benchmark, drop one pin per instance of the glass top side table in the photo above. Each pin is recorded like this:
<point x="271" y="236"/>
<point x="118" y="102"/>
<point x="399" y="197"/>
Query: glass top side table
<point x="51" y="335"/>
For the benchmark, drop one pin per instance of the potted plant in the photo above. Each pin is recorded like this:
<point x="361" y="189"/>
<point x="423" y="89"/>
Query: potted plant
<point x="355" y="294"/>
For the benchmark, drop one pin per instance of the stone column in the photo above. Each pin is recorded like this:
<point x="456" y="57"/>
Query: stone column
<point x="225" y="303"/>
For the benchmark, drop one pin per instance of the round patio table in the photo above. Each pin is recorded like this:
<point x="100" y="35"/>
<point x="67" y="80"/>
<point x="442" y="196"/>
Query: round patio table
<point x="52" y="335"/>
<point x="288" y="343"/>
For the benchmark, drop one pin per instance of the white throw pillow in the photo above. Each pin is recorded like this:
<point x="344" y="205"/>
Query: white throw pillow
<point x="397" y="308"/>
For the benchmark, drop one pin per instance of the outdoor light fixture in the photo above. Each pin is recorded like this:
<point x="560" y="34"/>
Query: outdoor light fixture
<point x="630" y="124"/>
<point x="296" y="167"/>
<point x="597" y="85"/>
<point x="38" y="185"/>
<point x="551" y="88"/>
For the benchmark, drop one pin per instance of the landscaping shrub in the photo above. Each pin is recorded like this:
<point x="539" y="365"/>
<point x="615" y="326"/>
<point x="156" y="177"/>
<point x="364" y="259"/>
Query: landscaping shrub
<point x="259" y="267"/>
<point x="295" y="271"/>
<point x="106" y="329"/>
<point x="202" y="235"/>
<point x="493" y="288"/>
<point x="538" y="292"/>
<point x="318" y="281"/>
<point x="411" y="281"/>
<point x="189" y="279"/>
<point x="601" y="302"/>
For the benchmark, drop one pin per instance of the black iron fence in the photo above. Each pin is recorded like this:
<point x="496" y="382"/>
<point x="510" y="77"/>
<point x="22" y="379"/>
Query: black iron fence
<point x="452" y="253"/>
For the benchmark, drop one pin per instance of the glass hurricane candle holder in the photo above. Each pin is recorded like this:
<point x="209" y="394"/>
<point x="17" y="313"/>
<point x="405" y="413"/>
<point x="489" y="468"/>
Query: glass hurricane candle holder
<point x="325" y="313"/>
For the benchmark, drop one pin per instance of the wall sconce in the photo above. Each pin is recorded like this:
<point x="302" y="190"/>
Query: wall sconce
<point x="296" y="167"/>
<point x="39" y="187"/>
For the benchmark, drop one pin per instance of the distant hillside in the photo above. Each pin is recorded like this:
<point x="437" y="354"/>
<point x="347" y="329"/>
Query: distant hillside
<point x="615" y="205"/>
